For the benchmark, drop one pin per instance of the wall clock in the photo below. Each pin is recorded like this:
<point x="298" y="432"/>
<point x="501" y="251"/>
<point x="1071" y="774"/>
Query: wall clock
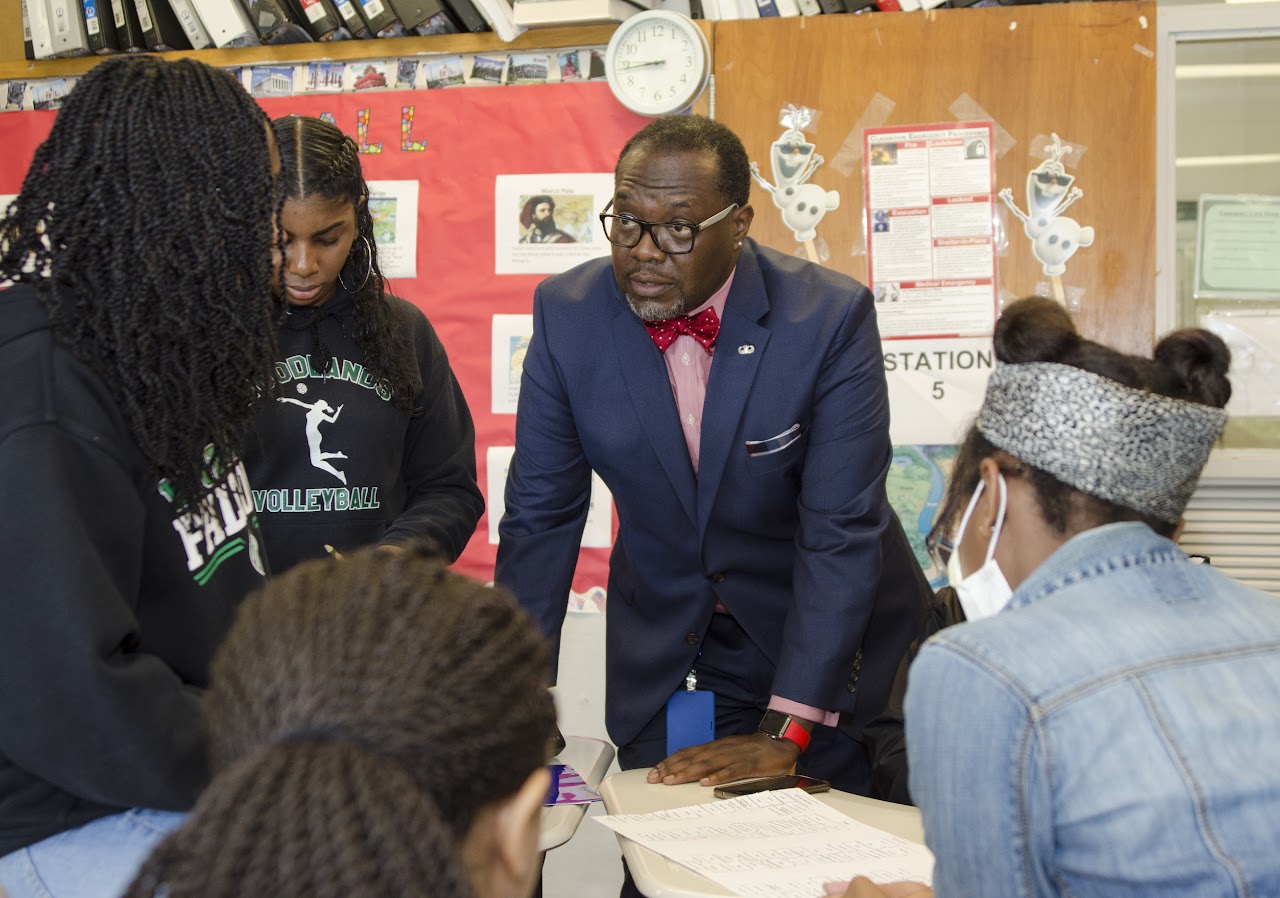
<point x="657" y="62"/>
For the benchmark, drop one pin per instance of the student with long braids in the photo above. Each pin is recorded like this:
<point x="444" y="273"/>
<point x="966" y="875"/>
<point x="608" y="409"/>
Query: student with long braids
<point x="378" y="726"/>
<point x="369" y="440"/>
<point x="137" y="333"/>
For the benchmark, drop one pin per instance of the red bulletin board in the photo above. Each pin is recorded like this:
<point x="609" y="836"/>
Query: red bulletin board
<point x="457" y="143"/>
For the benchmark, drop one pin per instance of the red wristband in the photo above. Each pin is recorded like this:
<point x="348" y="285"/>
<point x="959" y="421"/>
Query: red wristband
<point x="777" y="725"/>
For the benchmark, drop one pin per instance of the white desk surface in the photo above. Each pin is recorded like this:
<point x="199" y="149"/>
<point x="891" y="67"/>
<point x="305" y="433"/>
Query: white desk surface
<point x="591" y="758"/>
<point x="628" y="793"/>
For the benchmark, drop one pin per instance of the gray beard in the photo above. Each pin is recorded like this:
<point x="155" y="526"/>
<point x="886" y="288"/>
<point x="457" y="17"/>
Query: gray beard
<point x="652" y="311"/>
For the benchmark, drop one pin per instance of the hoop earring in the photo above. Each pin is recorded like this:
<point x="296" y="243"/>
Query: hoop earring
<point x="367" y="271"/>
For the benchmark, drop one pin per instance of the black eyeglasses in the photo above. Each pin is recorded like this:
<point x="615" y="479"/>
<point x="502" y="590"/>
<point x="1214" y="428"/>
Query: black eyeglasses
<point x="672" y="237"/>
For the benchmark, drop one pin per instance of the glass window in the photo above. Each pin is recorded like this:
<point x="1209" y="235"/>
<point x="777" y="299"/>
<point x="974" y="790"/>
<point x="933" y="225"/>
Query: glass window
<point x="1226" y="185"/>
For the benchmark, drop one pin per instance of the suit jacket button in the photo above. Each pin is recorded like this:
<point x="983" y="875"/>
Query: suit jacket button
<point x="717" y="577"/>
<point x="853" y="683"/>
<point x="692" y="639"/>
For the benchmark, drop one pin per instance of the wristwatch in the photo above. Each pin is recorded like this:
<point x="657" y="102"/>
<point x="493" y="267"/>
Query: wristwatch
<point x="777" y="725"/>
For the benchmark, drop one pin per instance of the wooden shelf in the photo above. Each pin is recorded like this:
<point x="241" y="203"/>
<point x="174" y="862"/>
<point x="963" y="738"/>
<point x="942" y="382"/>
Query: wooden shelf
<point x="385" y="48"/>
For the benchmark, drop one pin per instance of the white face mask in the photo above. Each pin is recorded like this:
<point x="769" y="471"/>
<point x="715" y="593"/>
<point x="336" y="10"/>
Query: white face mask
<point x="984" y="592"/>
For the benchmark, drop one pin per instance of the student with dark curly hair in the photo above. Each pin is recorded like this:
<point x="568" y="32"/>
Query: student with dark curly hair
<point x="379" y="727"/>
<point x="1105" y="723"/>
<point x="138" y="330"/>
<point x="369" y="439"/>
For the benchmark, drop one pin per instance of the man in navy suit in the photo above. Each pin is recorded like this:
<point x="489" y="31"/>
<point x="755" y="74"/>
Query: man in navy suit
<point x="733" y="399"/>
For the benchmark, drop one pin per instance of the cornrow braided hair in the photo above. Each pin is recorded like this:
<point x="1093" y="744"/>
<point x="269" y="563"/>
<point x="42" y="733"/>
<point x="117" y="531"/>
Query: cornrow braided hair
<point x="361" y="713"/>
<point x="146" y="226"/>
<point x="319" y="160"/>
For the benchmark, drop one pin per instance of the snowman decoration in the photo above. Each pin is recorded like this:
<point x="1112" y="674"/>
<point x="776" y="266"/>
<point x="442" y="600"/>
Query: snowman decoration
<point x="1054" y="237"/>
<point x="794" y="161"/>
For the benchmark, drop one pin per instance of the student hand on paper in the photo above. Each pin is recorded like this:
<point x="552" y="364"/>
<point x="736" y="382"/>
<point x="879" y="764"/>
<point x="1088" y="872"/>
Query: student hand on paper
<point x="730" y="758"/>
<point x="861" y="887"/>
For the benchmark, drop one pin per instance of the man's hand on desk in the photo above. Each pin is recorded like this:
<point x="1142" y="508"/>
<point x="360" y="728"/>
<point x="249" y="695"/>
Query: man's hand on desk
<point x="862" y="887"/>
<point x="730" y="758"/>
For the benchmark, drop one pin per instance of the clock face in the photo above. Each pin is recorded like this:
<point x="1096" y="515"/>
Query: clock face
<point x="657" y="62"/>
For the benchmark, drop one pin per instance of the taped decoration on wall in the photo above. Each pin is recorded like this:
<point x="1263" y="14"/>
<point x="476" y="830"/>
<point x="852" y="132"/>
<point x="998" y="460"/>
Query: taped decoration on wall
<point x="1054" y="237"/>
<point x="794" y="160"/>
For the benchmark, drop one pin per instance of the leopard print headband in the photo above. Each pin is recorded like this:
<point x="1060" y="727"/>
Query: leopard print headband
<point x="1130" y="447"/>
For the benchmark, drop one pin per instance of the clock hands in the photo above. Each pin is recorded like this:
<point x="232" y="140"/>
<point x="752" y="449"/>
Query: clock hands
<point x="657" y="62"/>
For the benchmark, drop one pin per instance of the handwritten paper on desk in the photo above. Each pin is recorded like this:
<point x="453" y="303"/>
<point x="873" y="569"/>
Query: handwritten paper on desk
<point x="782" y="844"/>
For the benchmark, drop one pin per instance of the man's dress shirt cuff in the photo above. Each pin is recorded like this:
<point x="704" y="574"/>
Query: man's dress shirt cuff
<point x="808" y="712"/>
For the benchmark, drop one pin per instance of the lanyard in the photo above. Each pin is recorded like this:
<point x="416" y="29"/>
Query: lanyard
<point x="691" y="678"/>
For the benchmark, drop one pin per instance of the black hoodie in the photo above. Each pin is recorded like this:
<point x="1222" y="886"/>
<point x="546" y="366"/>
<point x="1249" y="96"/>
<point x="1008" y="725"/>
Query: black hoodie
<point x="111" y="604"/>
<point x="335" y="462"/>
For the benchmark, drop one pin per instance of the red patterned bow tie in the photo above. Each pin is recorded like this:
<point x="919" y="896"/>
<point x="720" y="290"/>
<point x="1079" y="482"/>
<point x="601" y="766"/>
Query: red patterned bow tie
<point x="703" y="327"/>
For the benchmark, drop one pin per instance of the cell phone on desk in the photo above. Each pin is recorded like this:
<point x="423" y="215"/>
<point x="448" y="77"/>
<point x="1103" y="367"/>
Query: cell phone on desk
<point x="738" y="788"/>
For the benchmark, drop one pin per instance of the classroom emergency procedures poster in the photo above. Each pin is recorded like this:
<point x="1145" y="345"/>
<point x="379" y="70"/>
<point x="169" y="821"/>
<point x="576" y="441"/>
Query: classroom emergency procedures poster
<point x="930" y="225"/>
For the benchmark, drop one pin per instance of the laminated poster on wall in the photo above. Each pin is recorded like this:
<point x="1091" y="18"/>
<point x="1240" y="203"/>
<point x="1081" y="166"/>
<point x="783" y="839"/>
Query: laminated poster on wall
<point x="49" y="94"/>
<point x="917" y="478"/>
<point x="936" y="387"/>
<point x="548" y="223"/>
<point x="446" y="72"/>
<point x="598" y="533"/>
<point x="511" y="335"/>
<point x="325" y="77"/>
<point x="271" y="80"/>
<point x="1237" y="247"/>
<point x="394" y="207"/>
<point x="931" y="251"/>
<point x="15" y="92"/>
<point x="487" y="68"/>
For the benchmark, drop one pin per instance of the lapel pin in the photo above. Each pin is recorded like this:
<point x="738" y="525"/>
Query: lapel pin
<point x="746" y="349"/>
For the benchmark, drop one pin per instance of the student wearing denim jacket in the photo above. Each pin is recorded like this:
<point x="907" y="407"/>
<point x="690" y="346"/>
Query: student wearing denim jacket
<point x="1112" y="728"/>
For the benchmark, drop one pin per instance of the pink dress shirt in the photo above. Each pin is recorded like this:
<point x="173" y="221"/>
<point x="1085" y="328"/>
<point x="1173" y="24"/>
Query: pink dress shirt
<point x="688" y="368"/>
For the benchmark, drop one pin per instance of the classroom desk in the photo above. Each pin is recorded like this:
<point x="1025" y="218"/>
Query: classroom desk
<point x="591" y="758"/>
<point x="655" y="876"/>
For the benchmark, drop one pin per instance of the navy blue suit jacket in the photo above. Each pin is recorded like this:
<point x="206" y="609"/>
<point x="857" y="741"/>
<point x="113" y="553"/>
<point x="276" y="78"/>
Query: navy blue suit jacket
<point x="800" y="544"/>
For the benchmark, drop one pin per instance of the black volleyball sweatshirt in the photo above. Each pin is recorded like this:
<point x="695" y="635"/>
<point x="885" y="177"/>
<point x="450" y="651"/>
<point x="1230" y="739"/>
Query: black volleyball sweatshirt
<point x="334" y="462"/>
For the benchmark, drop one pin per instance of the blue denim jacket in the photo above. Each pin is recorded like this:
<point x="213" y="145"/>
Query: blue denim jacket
<point x="1115" y="731"/>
